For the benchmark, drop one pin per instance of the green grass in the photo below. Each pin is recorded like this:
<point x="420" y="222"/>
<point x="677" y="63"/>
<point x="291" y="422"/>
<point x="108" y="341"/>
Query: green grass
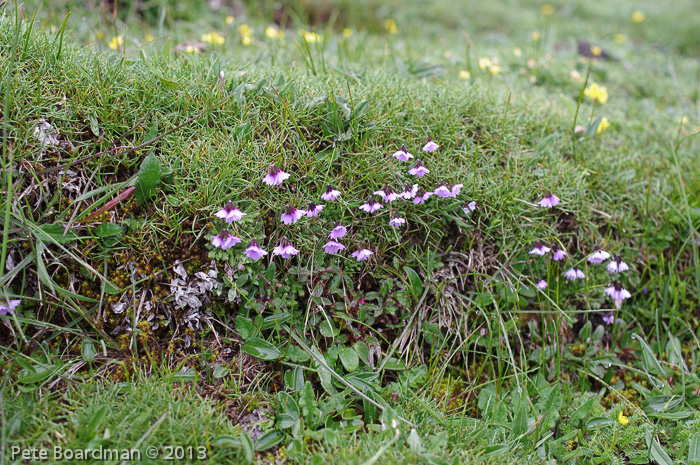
<point x="442" y="330"/>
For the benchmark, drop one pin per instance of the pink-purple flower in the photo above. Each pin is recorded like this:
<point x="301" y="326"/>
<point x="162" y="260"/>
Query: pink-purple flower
<point x="275" y="177"/>
<point x="617" y="293"/>
<point x="330" y="194"/>
<point x="333" y="247"/>
<point x="9" y="306"/>
<point x="285" y="249"/>
<point x="617" y="265"/>
<point x="421" y="196"/>
<point x="540" y="249"/>
<point x="409" y="191"/>
<point x="314" y="210"/>
<point x="338" y="231"/>
<point x="455" y="189"/>
<point x="230" y="213"/>
<point x="371" y="206"/>
<point x="418" y="170"/>
<point x="254" y="251"/>
<point x="387" y="194"/>
<point x="291" y="215"/>
<point x="443" y="191"/>
<point x="598" y="256"/>
<point x="225" y="240"/>
<point x="559" y="254"/>
<point x="541" y="285"/>
<point x="549" y="201"/>
<point x="574" y="274"/>
<point x="402" y="154"/>
<point x="469" y="208"/>
<point x="362" y="254"/>
<point x="396" y="221"/>
<point x="430" y="146"/>
<point x="609" y="319"/>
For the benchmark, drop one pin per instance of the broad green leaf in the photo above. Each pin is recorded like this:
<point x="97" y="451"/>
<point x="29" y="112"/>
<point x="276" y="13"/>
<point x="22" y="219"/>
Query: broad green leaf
<point x="415" y="281"/>
<point x="349" y="358"/>
<point x="96" y="419"/>
<point x="56" y="232"/>
<point x="269" y="439"/>
<point x="694" y="449"/>
<point x="658" y="453"/>
<point x="496" y="449"/>
<point x="35" y="374"/>
<point x="148" y="179"/>
<point x="362" y="350"/>
<point x="168" y="84"/>
<point x="88" y="351"/>
<point x="109" y="233"/>
<point x="260" y="348"/>
<point x="245" y="327"/>
<point x="184" y="376"/>
<point x="598" y="423"/>
<point x="220" y="371"/>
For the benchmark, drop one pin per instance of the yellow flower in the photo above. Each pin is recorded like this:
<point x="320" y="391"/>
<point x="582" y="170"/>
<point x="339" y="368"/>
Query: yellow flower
<point x="274" y="33"/>
<point x="464" y="74"/>
<point x="597" y="92"/>
<point x="191" y="49"/>
<point x="536" y="36"/>
<point x="484" y="62"/>
<point x="517" y="52"/>
<point x="213" y="38"/>
<point x="622" y="419"/>
<point x="246" y="34"/>
<point x="229" y="20"/>
<point x="390" y="26"/>
<point x="116" y="42"/>
<point x="494" y="69"/>
<point x="637" y="17"/>
<point x="148" y="37"/>
<point x="620" y="38"/>
<point x="602" y="126"/>
<point x="547" y="9"/>
<point x="684" y="120"/>
<point x="310" y="37"/>
<point x="347" y="32"/>
<point x="596" y="51"/>
<point x="99" y="35"/>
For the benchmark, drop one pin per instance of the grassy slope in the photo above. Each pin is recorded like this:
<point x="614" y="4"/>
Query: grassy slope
<point x="620" y="187"/>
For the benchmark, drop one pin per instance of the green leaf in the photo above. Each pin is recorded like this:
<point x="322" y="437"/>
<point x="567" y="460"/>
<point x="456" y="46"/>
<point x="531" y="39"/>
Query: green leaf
<point x="663" y="403"/>
<point x="362" y="350"/>
<point x="598" y="423"/>
<point x="220" y="371"/>
<point x="56" y="232"/>
<point x="519" y="423"/>
<point x="260" y="348"/>
<point x="96" y="419"/>
<point x="658" y="453"/>
<point x="88" y="351"/>
<point x="245" y="327"/>
<point x="349" y="358"/>
<point x="496" y="449"/>
<point x="109" y="233"/>
<point x="415" y="281"/>
<point x="148" y="178"/>
<point x="168" y="84"/>
<point x="35" y="374"/>
<point x="694" y="449"/>
<point x="94" y="126"/>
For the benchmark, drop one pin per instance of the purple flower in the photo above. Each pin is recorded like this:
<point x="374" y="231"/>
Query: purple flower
<point x="422" y="196"/>
<point x="291" y="215"/>
<point x="617" y="293"/>
<point x="254" y="251"/>
<point x="285" y="249"/>
<point x="314" y="209"/>
<point x="471" y="206"/>
<point x="387" y="194"/>
<point x="540" y="249"/>
<point x="549" y="201"/>
<point x="418" y="170"/>
<point x="362" y="254"/>
<point x="371" y="206"/>
<point x="559" y="254"/>
<point x="230" y="213"/>
<point x="541" y="285"/>
<point x="338" y="232"/>
<point x="430" y="146"/>
<point x="9" y="306"/>
<point x="443" y="191"/>
<point x="617" y="265"/>
<point x="225" y="240"/>
<point x="574" y="274"/>
<point x="402" y="154"/>
<point x="330" y="194"/>
<point x="396" y="221"/>
<point x="455" y="189"/>
<point x="333" y="247"/>
<point x="598" y="256"/>
<point x="409" y="191"/>
<point x="275" y="176"/>
<point x="609" y="319"/>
